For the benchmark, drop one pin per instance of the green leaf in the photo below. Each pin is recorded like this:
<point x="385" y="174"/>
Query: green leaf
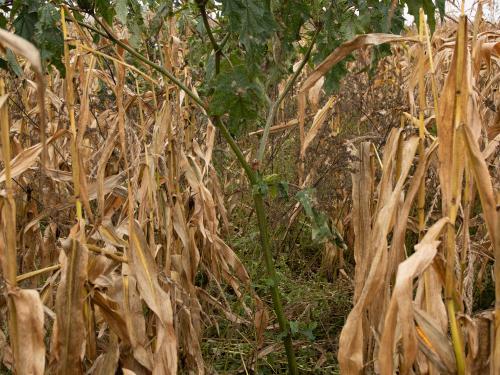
<point x="272" y="179"/>
<point x="335" y="75"/>
<point x="294" y="327"/>
<point x="260" y="188"/>
<point x="105" y="10"/>
<point x="274" y="186"/>
<point x="320" y="231"/>
<point x="158" y="18"/>
<point x="304" y="329"/>
<point x="49" y="39"/>
<point x="135" y="24"/>
<point x="238" y="95"/>
<point x="250" y="19"/>
<point x="441" y="5"/>
<point x="3" y="21"/>
<point x="24" y="24"/>
<point x="38" y="22"/>
<point x="429" y="7"/>
<point x="121" y="9"/>
<point x="293" y="14"/>
<point x="308" y="329"/>
<point x="135" y="34"/>
<point x="283" y="189"/>
<point x="269" y="282"/>
<point x="13" y="64"/>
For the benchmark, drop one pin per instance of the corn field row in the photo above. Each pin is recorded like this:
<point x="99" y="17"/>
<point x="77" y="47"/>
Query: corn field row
<point x="111" y="208"/>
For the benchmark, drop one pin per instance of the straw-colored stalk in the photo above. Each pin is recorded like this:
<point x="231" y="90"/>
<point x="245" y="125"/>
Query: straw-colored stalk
<point x="421" y="126"/>
<point x="456" y="335"/>
<point x="9" y="217"/>
<point x="421" y="147"/>
<point x="70" y="103"/>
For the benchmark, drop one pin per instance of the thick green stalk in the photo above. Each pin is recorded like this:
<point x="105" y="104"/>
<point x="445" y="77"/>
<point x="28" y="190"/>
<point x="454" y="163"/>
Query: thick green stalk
<point x="271" y="273"/>
<point x="261" y="211"/>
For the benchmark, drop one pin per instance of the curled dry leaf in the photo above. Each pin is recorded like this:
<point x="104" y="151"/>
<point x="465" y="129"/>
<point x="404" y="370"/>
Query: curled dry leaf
<point x="28" y="157"/>
<point x="21" y="47"/>
<point x="318" y="121"/>
<point x="341" y="52"/>
<point x="345" y="49"/>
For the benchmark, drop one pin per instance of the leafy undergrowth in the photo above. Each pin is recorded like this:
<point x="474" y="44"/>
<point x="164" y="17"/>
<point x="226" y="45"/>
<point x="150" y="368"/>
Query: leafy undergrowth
<point x="315" y="307"/>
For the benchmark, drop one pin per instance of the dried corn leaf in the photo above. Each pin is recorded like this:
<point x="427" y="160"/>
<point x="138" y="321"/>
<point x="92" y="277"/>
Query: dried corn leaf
<point x="401" y="303"/>
<point x="435" y="345"/>
<point x="362" y="188"/>
<point x="351" y="342"/>
<point x="21" y="47"/>
<point x="484" y="186"/>
<point x="450" y="154"/>
<point x="492" y="218"/>
<point x="143" y="267"/>
<point x="29" y="319"/>
<point x="341" y="52"/>
<point x="107" y="363"/>
<point x="26" y="158"/>
<point x="69" y="334"/>
<point x="318" y="121"/>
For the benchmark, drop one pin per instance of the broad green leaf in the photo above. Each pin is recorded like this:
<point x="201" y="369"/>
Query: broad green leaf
<point x="159" y="17"/>
<point x="308" y="330"/>
<point x="283" y="189"/>
<point x="135" y="24"/>
<point x="121" y="9"/>
<point x="49" y="39"/>
<point x="238" y="95"/>
<point x="3" y="21"/>
<point x="13" y="64"/>
<point x="429" y="7"/>
<point x="292" y="15"/>
<point x="260" y="188"/>
<point x="294" y="327"/>
<point x="104" y="9"/>
<point x="441" y="5"/>
<point x="38" y="22"/>
<point x="271" y="179"/>
<point x="251" y="20"/>
<point x="24" y="24"/>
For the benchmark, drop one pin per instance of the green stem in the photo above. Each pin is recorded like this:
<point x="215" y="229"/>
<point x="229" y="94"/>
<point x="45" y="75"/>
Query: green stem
<point x="216" y="47"/>
<point x="276" y="104"/>
<point x="153" y="65"/>
<point x="259" y="200"/>
<point x="456" y="337"/>
<point x="252" y="176"/>
<point x="271" y="273"/>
